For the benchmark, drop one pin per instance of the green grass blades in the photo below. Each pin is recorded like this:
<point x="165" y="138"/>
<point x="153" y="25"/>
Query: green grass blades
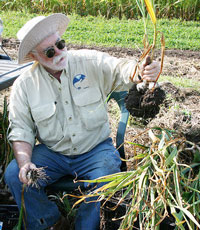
<point x="162" y="181"/>
<point x="5" y="149"/>
<point x="115" y="33"/>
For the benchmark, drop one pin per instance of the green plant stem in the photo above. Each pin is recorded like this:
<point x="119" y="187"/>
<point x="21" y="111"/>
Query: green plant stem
<point x="22" y="211"/>
<point x="154" y="42"/>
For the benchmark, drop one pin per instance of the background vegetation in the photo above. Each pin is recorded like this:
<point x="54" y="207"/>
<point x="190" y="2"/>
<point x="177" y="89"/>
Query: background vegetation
<point x="184" y="9"/>
<point x="99" y="31"/>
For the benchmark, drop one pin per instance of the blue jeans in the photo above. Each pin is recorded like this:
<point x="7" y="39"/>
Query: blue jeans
<point x="40" y="211"/>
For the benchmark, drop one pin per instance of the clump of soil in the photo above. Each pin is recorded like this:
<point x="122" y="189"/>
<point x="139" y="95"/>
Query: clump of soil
<point x="144" y="104"/>
<point x="179" y="111"/>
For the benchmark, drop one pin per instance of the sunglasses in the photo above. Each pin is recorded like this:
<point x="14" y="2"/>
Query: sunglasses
<point x="50" y="51"/>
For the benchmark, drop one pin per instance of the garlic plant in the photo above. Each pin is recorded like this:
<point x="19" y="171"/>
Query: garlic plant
<point x="147" y="47"/>
<point x="162" y="183"/>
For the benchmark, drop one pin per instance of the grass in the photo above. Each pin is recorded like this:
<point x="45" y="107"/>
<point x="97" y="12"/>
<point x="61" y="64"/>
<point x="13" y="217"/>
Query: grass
<point x="182" y="82"/>
<point x="113" y="32"/>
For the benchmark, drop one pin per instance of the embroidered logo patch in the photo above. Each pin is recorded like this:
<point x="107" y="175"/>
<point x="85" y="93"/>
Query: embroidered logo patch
<point x="80" y="82"/>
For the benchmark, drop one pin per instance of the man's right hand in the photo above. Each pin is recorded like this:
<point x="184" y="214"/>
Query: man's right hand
<point x="23" y="172"/>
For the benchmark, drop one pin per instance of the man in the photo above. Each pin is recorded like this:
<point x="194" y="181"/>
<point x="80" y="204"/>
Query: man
<point x="60" y="101"/>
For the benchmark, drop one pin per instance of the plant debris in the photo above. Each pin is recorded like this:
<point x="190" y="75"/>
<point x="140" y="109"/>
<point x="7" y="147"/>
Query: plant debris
<point x="161" y="185"/>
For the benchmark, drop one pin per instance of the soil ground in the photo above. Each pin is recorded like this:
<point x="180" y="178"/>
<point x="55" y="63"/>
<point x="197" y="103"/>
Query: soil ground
<point x="180" y="110"/>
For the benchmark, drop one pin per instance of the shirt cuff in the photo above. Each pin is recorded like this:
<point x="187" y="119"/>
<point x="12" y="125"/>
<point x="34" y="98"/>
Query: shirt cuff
<point x="18" y="134"/>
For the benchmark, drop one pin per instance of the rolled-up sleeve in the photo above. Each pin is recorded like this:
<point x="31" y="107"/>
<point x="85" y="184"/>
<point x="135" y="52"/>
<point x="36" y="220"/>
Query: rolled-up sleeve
<point x="21" y="125"/>
<point x="117" y="72"/>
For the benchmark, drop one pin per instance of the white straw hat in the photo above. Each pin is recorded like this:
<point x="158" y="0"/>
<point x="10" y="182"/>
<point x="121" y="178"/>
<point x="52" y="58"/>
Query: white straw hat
<point x="36" y="30"/>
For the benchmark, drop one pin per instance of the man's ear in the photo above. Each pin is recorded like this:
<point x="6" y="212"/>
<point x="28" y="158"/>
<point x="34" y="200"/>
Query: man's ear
<point x="33" y="56"/>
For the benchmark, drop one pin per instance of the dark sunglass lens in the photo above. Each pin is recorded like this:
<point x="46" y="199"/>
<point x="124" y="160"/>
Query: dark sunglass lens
<point x="50" y="52"/>
<point x="61" y="44"/>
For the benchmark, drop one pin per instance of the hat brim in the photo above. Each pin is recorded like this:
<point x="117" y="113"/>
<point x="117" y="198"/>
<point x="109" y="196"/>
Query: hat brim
<point x="49" y="25"/>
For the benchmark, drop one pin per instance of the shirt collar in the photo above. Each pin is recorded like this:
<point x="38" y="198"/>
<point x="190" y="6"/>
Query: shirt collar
<point x="47" y="74"/>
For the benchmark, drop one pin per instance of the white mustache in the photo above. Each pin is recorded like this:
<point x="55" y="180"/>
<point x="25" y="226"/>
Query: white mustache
<point x="56" y="59"/>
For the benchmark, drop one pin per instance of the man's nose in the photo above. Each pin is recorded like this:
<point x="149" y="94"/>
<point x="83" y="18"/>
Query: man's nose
<point x="58" y="51"/>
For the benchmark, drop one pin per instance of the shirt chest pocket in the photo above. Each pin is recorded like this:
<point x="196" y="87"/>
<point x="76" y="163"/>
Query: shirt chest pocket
<point x="47" y="122"/>
<point x="91" y="108"/>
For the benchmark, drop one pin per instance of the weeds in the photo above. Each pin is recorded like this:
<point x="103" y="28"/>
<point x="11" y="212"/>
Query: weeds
<point x="6" y="153"/>
<point x="65" y="207"/>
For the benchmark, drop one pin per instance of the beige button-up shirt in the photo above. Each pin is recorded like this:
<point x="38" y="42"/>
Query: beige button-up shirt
<point x="70" y="116"/>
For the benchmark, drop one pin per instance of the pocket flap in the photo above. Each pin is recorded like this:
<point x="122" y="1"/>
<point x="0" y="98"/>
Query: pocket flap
<point x="44" y="112"/>
<point x="87" y="97"/>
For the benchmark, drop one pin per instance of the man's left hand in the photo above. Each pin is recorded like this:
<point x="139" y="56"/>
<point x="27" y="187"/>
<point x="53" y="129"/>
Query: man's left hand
<point x="150" y="72"/>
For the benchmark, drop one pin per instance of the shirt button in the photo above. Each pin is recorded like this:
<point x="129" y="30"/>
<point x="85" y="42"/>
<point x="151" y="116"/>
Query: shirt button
<point x="73" y="135"/>
<point x="70" y="118"/>
<point x="66" y="102"/>
<point x="75" y="149"/>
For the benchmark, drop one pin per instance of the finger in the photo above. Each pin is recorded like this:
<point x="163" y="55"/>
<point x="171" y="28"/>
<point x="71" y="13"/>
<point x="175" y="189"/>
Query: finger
<point x="147" y="61"/>
<point x="22" y="175"/>
<point x="151" y="72"/>
<point x="151" y="77"/>
<point x="32" y="166"/>
<point x="151" y="68"/>
<point x="154" y="68"/>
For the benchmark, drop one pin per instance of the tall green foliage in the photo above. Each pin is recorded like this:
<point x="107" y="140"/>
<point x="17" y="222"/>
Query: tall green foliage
<point x="185" y="9"/>
<point x="6" y="153"/>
